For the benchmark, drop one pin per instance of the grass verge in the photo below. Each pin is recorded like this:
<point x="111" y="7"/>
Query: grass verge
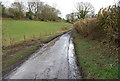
<point x="95" y="61"/>
<point x="15" y="59"/>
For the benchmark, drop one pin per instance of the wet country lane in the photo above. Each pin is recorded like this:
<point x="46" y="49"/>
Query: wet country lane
<point x="55" y="60"/>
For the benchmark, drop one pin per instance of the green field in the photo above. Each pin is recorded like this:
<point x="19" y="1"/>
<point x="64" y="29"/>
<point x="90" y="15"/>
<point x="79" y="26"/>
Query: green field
<point x="18" y="29"/>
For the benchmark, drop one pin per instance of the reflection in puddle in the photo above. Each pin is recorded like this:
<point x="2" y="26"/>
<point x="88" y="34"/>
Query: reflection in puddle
<point x="73" y="69"/>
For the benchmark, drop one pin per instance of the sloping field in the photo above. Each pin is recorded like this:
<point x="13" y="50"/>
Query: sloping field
<point x="17" y="30"/>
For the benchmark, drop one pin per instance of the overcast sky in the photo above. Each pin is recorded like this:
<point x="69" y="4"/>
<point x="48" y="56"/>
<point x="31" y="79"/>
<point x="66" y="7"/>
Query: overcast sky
<point x="68" y="6"/>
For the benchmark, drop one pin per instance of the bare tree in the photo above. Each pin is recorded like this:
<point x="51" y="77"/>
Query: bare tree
<point x="18" y="6"/>
<point x="83" y="8"/>
<point x="34" y="7"/>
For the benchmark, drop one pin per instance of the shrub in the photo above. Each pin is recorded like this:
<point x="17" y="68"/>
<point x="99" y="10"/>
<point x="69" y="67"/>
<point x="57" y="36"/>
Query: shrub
<point x="81" y="26"/>
<point x="88" y="27"/>
<point x="107" y="20"/>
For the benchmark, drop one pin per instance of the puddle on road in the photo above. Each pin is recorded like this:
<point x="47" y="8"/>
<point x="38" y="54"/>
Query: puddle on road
<point x="53" y="43"/>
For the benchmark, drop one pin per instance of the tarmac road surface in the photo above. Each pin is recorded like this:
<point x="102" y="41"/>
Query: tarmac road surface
<point x="55" y="60"/>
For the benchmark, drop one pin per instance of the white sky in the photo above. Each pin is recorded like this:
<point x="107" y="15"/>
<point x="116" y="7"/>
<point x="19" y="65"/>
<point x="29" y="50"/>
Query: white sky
<point x="68" y="6"/>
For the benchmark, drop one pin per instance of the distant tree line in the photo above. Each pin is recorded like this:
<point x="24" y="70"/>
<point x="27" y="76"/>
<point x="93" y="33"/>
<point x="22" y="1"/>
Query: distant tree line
<point x="33" y="10"/>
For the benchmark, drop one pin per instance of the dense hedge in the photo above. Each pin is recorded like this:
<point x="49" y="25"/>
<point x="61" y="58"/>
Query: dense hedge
<point x="105" y="25"/>
<point x="107" y="20"/>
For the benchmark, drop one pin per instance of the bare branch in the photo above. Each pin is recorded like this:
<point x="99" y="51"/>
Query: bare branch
<point x="83" y="8"/>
